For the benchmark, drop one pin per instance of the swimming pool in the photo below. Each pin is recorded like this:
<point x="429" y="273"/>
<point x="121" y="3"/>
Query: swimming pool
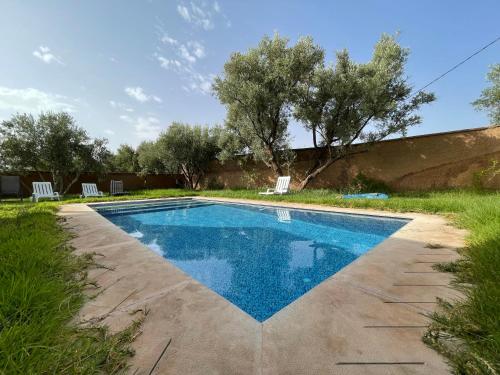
<point x="260" y="258"/>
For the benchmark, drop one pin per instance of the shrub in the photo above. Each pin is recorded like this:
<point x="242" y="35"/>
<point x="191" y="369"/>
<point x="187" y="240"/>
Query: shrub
<point x="363" y="184"/>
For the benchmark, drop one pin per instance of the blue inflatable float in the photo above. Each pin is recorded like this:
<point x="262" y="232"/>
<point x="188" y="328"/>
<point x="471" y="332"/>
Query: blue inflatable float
<point x="366" y="196"/>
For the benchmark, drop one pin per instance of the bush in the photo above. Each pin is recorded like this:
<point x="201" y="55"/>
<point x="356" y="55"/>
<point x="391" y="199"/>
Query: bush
<point x="364" y="184"/>
<point x="485" y="175"/>
<point x="214" y="184"/>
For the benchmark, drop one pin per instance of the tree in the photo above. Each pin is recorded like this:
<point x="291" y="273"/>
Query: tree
<point x="490" y="97"/>
<point x="125" y="160"/>
<point x="259" y="89"/>
<point x="347" y="102"/>
<point x="148" y="159"/>
<point x="19" y="144"/>
<point x="53" y="143"/>
<point x="188" y="150"/>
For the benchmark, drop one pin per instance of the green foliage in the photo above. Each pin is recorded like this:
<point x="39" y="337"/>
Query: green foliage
<point x="349" y="101"/>
<point x="41" y="284"/>
<point x="214" y="184"/>
<point x="228" y="143"/>
<point x="467" y="332"/>
<point x="259" y="88"/>
<point x="20" y="146"/>
<point x="125" y="160"/>
<point x="364" y="184"/>
<point x="249" y="179"/>
<point x="427" y="202"/>
<point x="135" y="194"/>
<point x="485" y="175"/>
<point x="188" y="149"/>
<point x="52" y="142"/>
<point x="339" y="104"/>
<point x="490" y="97"/>
<point x="148" y="159"/>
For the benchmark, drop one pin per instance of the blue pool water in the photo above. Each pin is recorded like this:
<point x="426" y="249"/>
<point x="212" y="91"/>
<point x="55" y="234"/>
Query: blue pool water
<point x="259" y="258"/>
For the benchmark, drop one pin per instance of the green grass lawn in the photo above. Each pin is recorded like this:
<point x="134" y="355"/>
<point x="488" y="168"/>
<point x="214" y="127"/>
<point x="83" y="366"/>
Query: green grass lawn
<point x="41" y="283"/>
<point x="41" y="290"/>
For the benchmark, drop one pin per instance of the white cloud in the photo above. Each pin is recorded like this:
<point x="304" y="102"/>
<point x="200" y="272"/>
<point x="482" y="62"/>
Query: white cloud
<point x="216" y="6"/>
<point x="33" y="101"/>
<point x="190" y="52"/>
<point x="196" y="15"/>
<point x="201" y="83"/>
<point x="168" y="40"/>
<point x="43" y="53"/>
<point x="126" y="118"/>
<point x="197" y="49"/>
<point x="195" y="81"/>
<point x="168" y="63"/>
<point x="109" y="132"/>
<point x="145" y="127"/>
<point x="118" y="105"/>
<point x="202" y="13"/>
<point x="184" y="12"/>
<point x="186" y="54"/>
<point x="138" y="94"/>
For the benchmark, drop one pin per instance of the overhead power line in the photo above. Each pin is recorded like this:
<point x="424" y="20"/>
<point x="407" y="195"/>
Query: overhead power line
<point x="457" y="65"/>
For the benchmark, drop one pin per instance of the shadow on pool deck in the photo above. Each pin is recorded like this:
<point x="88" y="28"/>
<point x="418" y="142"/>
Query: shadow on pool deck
<point x="368" y="318"/>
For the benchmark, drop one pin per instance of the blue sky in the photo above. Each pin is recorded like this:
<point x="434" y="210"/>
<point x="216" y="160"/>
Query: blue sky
<point x="126" y="70"/>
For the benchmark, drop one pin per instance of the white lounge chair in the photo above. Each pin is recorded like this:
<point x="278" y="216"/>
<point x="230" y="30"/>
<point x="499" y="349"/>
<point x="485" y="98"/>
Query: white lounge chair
<point x="43" y="190"/>
<point x="90" y="190"/>
<point x="116" y="188"/>
<point x="281" y="186"/>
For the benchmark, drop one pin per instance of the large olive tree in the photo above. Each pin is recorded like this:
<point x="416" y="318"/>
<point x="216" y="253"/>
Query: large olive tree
<point x="351" y="102"/>
<point x="259" y="88"/>
<point x="187" y="149"/>
<point x="52" y="142"/>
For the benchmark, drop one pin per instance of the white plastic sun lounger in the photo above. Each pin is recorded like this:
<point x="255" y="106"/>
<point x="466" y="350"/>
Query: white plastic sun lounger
<point x="90" y="190"/>
<point x="116" y="188"/>
<point x="43" y="190"/>
<point x="281" y="186"/>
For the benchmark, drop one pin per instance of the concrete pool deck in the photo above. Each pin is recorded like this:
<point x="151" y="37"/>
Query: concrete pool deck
<point x="367" y="318"/>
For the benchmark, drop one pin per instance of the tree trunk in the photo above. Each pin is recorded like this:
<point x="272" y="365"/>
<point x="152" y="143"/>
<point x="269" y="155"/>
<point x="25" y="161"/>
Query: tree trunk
<point x="71" y="183"/>
<point x="56" y="180"/>
<point x="198" y="177"/>
<point x="187" y="176"/>
<point x="29" y="189"/>
<point x="318" y="168"/>
<point x="276" y="168"/>
<point x="273" y="163"/>
<point x="189" y="181"/>
<point x="315" y="172"/>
